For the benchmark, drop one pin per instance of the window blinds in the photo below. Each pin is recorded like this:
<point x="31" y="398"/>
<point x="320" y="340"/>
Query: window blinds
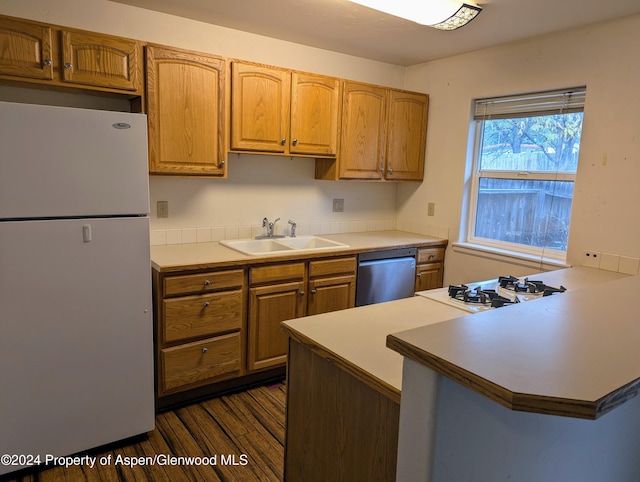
<point x="528" y="105"/>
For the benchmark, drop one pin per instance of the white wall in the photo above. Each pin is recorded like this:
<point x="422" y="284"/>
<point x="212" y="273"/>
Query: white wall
<point x="257" y="186"/>
<point x="603" y="57"/>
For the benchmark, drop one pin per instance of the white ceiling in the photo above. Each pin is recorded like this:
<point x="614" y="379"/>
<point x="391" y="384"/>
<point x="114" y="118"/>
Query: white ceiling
<point x="342" y="26"/>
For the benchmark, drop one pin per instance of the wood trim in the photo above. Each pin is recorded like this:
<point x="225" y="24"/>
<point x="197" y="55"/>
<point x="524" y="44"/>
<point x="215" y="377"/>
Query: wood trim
<point x="338" y="428"/>
<point x="517" y="401"/>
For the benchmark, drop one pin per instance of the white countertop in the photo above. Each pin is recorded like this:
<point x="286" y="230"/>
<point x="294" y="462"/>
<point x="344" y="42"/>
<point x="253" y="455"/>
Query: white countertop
<point x="574" y="354"/>
<point x="356" y="338"/>
<point x="174" y="257"/>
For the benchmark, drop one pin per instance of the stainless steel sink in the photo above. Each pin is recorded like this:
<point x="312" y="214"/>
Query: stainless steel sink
<point x="260" y="247"/>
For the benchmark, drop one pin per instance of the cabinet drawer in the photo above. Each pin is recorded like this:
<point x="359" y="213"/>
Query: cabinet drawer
<point x="203" y="315"/>
<point x="203" y="282"/>
<point x="277" y="272"/>
<point x="202" y="360"/>
<point x="430" y="255"/>
<point x="332" y="266"/>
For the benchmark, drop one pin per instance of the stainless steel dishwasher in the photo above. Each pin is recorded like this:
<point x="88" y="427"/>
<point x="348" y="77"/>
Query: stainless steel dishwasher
<point x="385" y="275"/>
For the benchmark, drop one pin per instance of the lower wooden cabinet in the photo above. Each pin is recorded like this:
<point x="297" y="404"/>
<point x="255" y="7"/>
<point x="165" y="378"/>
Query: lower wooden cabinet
<point x="285" y="291"/>
<point x="221" y="326"/>
<point x="268" y="306"/>
<point x="429" y="268"/>
<point x="332" y="285"/>
<point x="206" y="360"/>
<point x="200" y="328"/>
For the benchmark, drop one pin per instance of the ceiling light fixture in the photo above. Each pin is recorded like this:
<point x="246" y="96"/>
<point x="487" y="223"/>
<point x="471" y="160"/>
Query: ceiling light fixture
<point x="440" y="14"/>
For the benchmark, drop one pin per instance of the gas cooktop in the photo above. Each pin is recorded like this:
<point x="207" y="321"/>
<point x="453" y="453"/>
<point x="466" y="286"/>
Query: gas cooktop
<point x="491" y="294"/>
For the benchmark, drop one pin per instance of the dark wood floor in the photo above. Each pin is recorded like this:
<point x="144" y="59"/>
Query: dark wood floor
<point x="245" y="429"/>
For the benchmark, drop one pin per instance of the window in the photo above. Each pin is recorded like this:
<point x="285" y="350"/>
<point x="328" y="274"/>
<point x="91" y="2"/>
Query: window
<point x="525" y="162"/>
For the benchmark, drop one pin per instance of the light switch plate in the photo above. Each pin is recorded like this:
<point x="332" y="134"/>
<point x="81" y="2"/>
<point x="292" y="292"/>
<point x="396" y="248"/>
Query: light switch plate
<point x="163" y="209"/>
<point x="338" y="205"/>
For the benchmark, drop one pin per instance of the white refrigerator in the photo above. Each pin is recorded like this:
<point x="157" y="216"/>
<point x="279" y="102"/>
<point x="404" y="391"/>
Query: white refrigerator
<point x="76" y="340"/>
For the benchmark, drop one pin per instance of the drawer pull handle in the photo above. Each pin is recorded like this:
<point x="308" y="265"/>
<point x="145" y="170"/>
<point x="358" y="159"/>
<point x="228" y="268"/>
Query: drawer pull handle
<point x="205" y="304"/>
<point x="432" y="256"/>
<point x="205" y="350"/>
<point x="207" y="282"/>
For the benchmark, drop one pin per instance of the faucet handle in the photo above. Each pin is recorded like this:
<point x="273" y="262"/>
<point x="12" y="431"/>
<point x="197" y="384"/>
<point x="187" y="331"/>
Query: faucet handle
<point x="293" y="228"/>
<point x="265" y="222"/>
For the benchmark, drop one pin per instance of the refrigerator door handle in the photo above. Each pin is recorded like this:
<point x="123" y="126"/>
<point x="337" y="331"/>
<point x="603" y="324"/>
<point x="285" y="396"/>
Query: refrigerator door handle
<point x="86" y="232"/>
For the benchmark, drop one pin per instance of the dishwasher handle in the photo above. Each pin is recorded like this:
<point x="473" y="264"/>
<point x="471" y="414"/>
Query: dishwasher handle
<point x="387" y="254"/>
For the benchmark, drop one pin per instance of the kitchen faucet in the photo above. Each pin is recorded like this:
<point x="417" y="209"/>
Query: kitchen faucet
<point x="270" y="226"/>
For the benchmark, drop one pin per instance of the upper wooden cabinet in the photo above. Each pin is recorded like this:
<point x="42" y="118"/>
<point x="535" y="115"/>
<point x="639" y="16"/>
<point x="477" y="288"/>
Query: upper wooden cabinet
<point x="186" y="112"/>
<point x="383" y="135"/>
<point x="363" y="138"/>
<point x="406" y="135"/>
<point x="100" y="60"/>
<point x="25" y="49"/>
<point x="283" y="112"/>
<point x="44" y="53"/>
<point x="315" y="112"/>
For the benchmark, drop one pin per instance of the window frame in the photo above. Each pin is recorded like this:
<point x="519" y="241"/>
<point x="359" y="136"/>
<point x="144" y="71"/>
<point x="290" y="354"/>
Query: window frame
<point x="477" y="174"/>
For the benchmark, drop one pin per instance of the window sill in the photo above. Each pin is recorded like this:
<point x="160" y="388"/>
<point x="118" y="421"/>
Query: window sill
<point x="505" y="256"/>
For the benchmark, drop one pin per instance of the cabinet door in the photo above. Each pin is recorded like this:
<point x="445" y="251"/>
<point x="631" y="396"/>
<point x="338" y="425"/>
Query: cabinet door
<point x="185" y="109"/>
<point x="259" y="108"/>
<point x="101" y="60"/>
<point x="331" y="294"/>
<point x="268" y="306"/>
<point x="429" y="276"/>
<point x="25" y="49"/>
<point x="314" y="114"/>
<point x="406" y="136"/>
<point x="362" y="142"/>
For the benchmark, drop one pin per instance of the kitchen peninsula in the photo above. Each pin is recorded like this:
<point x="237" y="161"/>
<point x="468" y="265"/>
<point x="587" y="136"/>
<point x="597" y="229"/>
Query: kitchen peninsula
<point x="549" y="365"/>
<point x="341" y="371"/>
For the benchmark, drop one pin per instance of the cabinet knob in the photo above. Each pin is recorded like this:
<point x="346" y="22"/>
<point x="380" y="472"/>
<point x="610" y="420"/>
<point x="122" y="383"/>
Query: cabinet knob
<point x="390" y="171"/>
<point x="431" y="256"/>
<point x="313" y="292"/>
<point x="205" y="304"/>
<point x="295" y="142"/>
<point x="46" y="62"/>
<point x="302" y="293"/>
<point x="68" y="66"/>
<point x="205" y="350"/>
<point x="419" y="275"/>
<point x="207" y="282"/>
<point x="283" y="141"/>
<point x="222" y="163"/>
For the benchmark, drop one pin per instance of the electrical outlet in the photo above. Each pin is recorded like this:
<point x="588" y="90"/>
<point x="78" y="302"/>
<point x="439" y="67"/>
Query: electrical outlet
<point x="431" y="209"/>
<point x="591" y="259"/>
<point x="338" y="205"/>
<point x="163" y="209"/>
